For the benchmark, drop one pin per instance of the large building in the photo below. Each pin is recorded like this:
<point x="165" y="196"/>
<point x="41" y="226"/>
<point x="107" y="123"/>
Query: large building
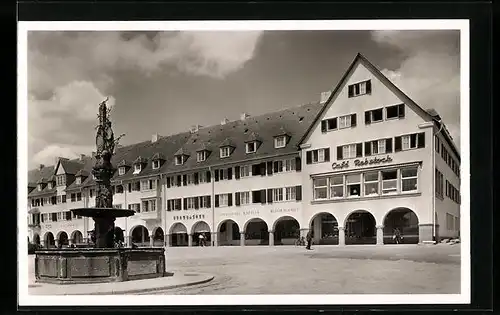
<point x="352" y="167"/>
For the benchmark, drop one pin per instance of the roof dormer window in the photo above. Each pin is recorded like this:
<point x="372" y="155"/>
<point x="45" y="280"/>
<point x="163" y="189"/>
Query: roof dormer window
<point x="121" y="170"/>
<point x="251" y="147"/>
<point x="280" y="142"/>
<point x="225" y="152"/>
<point x="156" y="164"/>
<point x="78" y="180"/>
<point x="50" y="185"/>
<point x="137" y="168"/>
<point x="179" y="159"/>
<point x="39" y="187"/>
<point x="201" y="156"/>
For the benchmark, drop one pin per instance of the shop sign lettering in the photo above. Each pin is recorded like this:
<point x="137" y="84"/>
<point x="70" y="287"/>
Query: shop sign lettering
<point x="361" y="162"/>
<point x="281" y="210"/>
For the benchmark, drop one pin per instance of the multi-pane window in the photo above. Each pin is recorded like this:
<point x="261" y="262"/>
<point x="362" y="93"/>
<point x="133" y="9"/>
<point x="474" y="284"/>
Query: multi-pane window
<point x="389" y="181"/>
<point x="202" y="177"/>
<point x="121" y="170"/>
<point x="201" y="156"/>
<point x="439" y="182"/>
<point x="360" y="88"/>
<point x="59" y="216"/>
<point x="280" y="142"/>
<point x="149" y="205"/>
<point x="156" y="164"/>
<point x="290" y="165"/>
<point x="179" y="159"/>
<point x="190" y="203"/>
<point x="277" y="194"/>
<point x="344" y="121"/>
<point x="337" y="186"/>
<point x="245" y="171"/>
<point x="225" y="152"/>
<point x="320" y="188"/>
<point x="45" y="217"/>
<point x="174" y="204"/>
<point x="137" y="168"/>
<point x="61" y="180"/>
<point x="374" y="115"/>
<point x="353" y="182"/>
<point x="149" y="184"/>
<point x="39" y="187"/>
<point x="223" y="200"/>
<point x="251" y="147"/>
<point x="349" y="151"/>
<point x="290" y="193"/>
<point x="411" y="141"/>
<point x="380" y="146"/>
<point x="396" y="111"/>
<point x="244" y="197"/>
<point x="278" y="166"/>
<point x="409" y="179"/>
<point x="205" y="202"/>
<point x="371" y="181"/>
<point x="78" y="196"/>
<point x="318" y="156"/>
<point x="190" y="179"/>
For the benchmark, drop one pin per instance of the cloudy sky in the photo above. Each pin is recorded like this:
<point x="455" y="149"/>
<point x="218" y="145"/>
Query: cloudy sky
<point x="164" y="82"/>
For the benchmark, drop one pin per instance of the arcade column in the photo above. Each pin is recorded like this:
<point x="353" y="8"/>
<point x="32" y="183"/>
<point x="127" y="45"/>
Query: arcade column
<point x="380" y="235"/>
<point x="242" y="238"/>
<point x="190" y="240"/>
<point x="271" y="238"/>
<point x="151" y="240"/>
<point x="214" y="239"/>
<point x="341" y="235"/>
<point x="167" y="240"/>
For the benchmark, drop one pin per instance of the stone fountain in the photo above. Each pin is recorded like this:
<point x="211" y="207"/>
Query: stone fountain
<point x="105" y="261"/>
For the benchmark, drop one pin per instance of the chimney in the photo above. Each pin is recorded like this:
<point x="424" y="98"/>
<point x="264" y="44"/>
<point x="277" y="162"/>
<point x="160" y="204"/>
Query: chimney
<point x="224" y="121"/>
<point x="155" y="137"/>
<point x="41" y="166"/>
<point x="325" y="96"/>
<point x="244" y="116"/>
<point x="82" y="157"/>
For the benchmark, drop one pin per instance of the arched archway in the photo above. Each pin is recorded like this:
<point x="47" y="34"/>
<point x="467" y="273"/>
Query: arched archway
<point x="286" y="230"/>
<point x="140" y="236"/>
<point x="179" y="236"/>
<point x="201" y="234"/>
<point x="256" y="232"/>
<point x="119" y="236"/>
<point x="325" y="229"/>
<point x="36" y="239"/>
<point x="63" y="239"/>
<point x="49" y="240"/>
<point x="228" y="233"/>
<point x="76" y="237"/>
<point x="360" y="228"/>
<point x="406" y="221"/>
<point x="158" y="236"/>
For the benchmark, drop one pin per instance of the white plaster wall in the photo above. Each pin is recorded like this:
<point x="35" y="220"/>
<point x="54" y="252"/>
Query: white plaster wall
<point x="380" y="96"/>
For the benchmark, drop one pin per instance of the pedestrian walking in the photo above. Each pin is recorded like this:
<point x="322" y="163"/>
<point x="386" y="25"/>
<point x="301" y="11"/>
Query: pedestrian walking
<point x="309" y="238"/>
<point x="201" y="240"/>
<point x="397" y="236"/>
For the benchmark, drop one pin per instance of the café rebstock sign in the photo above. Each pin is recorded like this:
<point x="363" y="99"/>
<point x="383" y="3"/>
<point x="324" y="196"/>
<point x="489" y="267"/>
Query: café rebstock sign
<point x="361" y="162"/>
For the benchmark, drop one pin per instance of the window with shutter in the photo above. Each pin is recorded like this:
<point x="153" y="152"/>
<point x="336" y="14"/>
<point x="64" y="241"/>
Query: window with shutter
<point x="270" y="196"/>
<point x="353" y="120"/>
<point x="298" y="164"/>
<point x="421" y="140"/>
<point x="388" y="145"/>
<point x="359" y="149"/>
<point x="397" y="144"/>
<point x="216" y="175"/>
<point x="237" y="198"/>
<point x="298" y="193"/>
<point x="263" y="169"/>
<point x="270" y="168"/>
<point x="309" y="157"/>
<point x="327" y="155"/>
<point x="196" y="179"/>
<point x="323" y="125"/>
<point x="237" y="173"/>
<point x="229" y="200"/>
<point x="263" y="196"/>
<point x="216" y="201"/>
<point x="368" y="146"/>
<point x="339" y="153"/>
<point x="368" y="117"/>
<point x="230" y="173"/>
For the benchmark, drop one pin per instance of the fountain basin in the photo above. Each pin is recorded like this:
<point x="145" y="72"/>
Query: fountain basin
<point x="98" y="265"/>
<point x="103" y="212"/>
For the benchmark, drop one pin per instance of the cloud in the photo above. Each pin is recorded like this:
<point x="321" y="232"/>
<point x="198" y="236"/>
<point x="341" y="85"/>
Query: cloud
<point x="70" y="73"/>
<point x="48" y="154"/>
<point x="430" y="73"/>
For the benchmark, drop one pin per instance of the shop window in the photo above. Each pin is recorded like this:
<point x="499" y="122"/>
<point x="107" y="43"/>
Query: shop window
<point x="371" y="183"/>
<point x="389" y="181"/>
<point x="409" y="179"/>
<point x="320" y="188"/>
<point x="353" y="182"/>
<point x="337" y="186"/>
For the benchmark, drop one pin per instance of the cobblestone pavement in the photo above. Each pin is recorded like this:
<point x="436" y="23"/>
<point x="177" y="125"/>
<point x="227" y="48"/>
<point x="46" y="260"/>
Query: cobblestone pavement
<point x="357" y="269"/>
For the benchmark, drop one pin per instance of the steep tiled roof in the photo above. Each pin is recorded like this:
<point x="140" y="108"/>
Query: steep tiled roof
<point x="71" y="166"/>
<point x="85" y="170"/>
<point x="158" y="156"/>
<point x="295" y="120"/>
<point x="36" y="174"/>
<point x="82" y="172"/>
<point x="253" y="136"/>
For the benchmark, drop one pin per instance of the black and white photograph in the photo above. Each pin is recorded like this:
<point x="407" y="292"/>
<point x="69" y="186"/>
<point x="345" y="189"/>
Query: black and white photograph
<point x="240" y="162"/>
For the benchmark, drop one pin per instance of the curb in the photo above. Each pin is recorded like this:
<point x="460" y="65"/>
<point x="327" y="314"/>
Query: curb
<point x="206" y="279"/>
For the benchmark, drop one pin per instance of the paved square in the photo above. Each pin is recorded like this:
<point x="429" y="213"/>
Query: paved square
<point x="363" y="269"/>
<point x="396" y="269"/>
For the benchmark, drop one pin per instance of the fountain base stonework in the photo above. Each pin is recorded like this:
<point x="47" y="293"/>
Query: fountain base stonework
<point x="97" y="265"/>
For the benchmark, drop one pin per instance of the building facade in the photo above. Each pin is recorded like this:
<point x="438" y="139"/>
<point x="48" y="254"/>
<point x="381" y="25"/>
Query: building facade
<point x="352" y="168"/>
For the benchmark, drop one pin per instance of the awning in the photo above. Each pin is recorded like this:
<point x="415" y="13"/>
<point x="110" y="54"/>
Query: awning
<point x="201" y="227"/>
<point x="34" y="211"/>
<point x="179" y="228"/>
